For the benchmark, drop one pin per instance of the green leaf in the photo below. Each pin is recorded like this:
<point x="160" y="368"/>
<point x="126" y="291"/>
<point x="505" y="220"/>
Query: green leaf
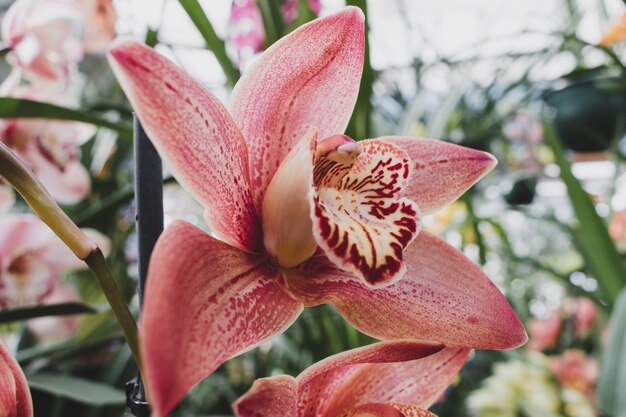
<point x="64" y="309"/>
<point x="213" y="42"/>
<point x="77" y="389"/>
<point x="596" y="245"/>
<point x="20" y="108"/>
<point x="272" y="20"/>
<point x="611" y="398"/>
<point x="359" y="126"/>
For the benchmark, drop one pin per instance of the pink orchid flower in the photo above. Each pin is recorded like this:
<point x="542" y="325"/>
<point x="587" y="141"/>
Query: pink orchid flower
<point x="15" y="399"/>
<point x="45" y="37"/>
<point x="387" y="379"/>
<point x="305" y="215"/>
<point x="100" y="20"/>
<point x="54" y="328"/>
<point x="7" y="198"/>
<point x="49" y="147"/>
<point x="32" y="259"/>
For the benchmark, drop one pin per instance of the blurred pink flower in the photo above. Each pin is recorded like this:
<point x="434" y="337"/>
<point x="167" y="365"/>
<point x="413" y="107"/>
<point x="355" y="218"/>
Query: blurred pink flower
<point x="584" y="313"/>
<point x="246" y="33"/>
<point x="100" y="19"/>
<point x="44" y="36"/>
<point x="53" y="328"/>
<point x="32" y="259"/>
<point x="575" y="370"/>
<point x="617" y="230"/>
<point x="544" y="334"/>
<point x="7" y="197"/>
<point x="49" y="147"/>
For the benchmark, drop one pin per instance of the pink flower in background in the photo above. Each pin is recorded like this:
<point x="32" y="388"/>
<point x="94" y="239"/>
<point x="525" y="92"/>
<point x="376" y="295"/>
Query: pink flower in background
<point x="388" y="379"/>
<point x="246" y="33"/>
<point x="53" y="328"/>
<point x="306" y="215"/>
<point x="100" y="18"/>
<point x="49" y="147"/>
<point x="32" y="259"/>
<point x="15" y="399"/>
<point x="45" y="37"/>
<point x="7" y="198"/>
<point x="544" y="334"/>
<point x="583" y="311"/>
<point x="575" y="370"/>
<point x="617" y="230"/>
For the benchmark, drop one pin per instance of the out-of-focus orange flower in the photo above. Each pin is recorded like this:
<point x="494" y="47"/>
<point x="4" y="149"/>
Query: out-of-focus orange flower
<point x="617" y="33"/>
<point x="544" y="334"/>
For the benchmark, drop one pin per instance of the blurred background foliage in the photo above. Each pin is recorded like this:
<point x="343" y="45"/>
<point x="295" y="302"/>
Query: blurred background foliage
<point x="534" y="83"/>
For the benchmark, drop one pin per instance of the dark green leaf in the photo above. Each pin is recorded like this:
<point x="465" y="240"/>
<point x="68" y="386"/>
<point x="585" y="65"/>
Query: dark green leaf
<point x="20" y="108"/>
<point x="272" y="20"/>
<point x="77" y="389"/>
<point x="611" y="398"/>
<point x="25" y="313"/>
<point x="213" y="42"/>
<point x="596" y="245"/>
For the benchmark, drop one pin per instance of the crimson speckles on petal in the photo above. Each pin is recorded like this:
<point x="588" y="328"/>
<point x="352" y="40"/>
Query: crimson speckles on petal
<point x="359" y="220"/>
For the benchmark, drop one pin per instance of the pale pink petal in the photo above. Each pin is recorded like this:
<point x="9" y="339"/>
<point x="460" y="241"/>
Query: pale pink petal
<point x="388" y="410"/>
<point x="57" y="254"/>
<point x="196" y="137"/>
<point x="318" y="385"/>
<point x="442" y="171"/>
<point x="7" y="198"/>
<point x="20" y="233"/>
<point x="308" y="79"/>
<point x="69" y="185"/>
<point x="53" y="328"/>
<point x="15" y="399"/>
<point x="443" y="297"/>
<point x="205" y="302"/>
<point x="419" y="382"/>
<point x="358" y="218"/>
<point x="276" y="396"/>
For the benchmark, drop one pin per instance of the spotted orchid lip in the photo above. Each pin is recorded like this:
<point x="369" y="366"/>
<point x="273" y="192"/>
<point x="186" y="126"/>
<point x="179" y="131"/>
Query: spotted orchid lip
<point x="359" y="218"/>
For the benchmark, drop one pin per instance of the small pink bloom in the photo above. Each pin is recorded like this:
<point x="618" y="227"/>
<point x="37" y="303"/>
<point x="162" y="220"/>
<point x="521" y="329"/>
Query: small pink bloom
<point x="15" y="399"/>
<point x="306" y="215"/>
<point x="100" y="19"/>
<point x="389" y="379"/>
<point x="584" y="313"/>
<point x="617" y="230"/>
<point x="49" y="147"/>
<point x="289" y="9"/>
<point x="44" y="36"/>
<point x="544" y="334"/>
<point x="7" y="198"/>
<point x="32" y="259"/>
<point x="575" y="370"/>
<point x="51" y="328"/>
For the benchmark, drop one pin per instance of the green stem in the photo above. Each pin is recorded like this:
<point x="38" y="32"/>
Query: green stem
<point x="20" y="177"/>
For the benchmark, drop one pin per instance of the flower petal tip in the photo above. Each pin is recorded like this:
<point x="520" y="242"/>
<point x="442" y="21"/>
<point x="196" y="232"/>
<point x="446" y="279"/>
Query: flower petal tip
<point x="353" y="13"/>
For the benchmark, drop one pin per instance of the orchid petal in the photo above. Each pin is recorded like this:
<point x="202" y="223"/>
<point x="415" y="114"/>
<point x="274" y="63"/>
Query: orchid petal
<point x="419" y="382"/>
<point x="318" y="384"/>
<point x="196" y="137"/>
<point x="308" y="79"/>
<point x="314" y="388"/>
<point x="442" y="171"/>
<point x="388" y="410"/>
<point x="205" y="302"/>
<point x="358" y="218"/>
<point x="15" y="399"/>
<point x="443" y="297"/>
<point x="276" y="396"/>
<point x="7" y="198"/>
<point x="69" y="185"/>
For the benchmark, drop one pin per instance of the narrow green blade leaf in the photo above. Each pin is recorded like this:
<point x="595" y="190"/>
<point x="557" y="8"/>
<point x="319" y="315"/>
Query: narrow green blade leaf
<point x="596" y="245"/>
<point x="272" y="20"/>
<point x="359" y="126"/>
<point x="213" y="42"/>
<point x="611" y="394"/>
<point x="64" y="309"/>
<point x="11" y="107"/>
<point x="77" y="389"/>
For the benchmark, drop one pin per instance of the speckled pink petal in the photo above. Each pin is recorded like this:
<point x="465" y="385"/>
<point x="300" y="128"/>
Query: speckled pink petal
<point x="276" y="396"/>
<point x="205" y="302"/>
<point x="15" y="400"/>
<point x="195" y="136"/>
<point x="308" y="79"/>
<point x="318" y="384"/>
<point x="387" y="410"/>
<point x="359" y="219"/>
<point x="442" y="171"/>
<point x="443" y="297"/>
<point x="419" y="382"/>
